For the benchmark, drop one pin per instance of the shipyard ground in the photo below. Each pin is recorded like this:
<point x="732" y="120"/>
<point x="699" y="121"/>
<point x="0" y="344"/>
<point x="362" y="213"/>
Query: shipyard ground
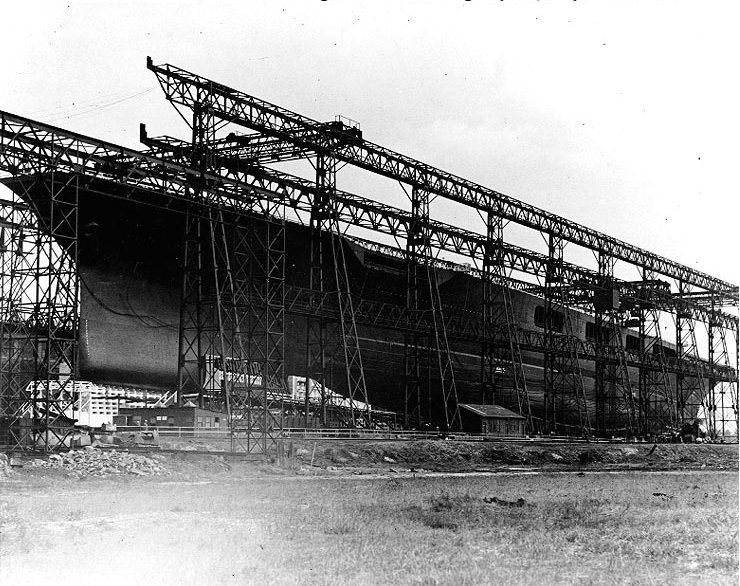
<point x="429" y="512"/>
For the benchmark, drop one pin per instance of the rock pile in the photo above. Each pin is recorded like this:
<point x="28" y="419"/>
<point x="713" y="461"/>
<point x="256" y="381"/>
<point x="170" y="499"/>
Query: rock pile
<point x="94" y="462"/>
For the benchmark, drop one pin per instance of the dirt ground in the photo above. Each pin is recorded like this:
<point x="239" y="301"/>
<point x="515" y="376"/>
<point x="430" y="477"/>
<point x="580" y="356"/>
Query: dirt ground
<point x="445" y="456"/>
<point x="364" y="456"/>
<point x="428" y="512"/>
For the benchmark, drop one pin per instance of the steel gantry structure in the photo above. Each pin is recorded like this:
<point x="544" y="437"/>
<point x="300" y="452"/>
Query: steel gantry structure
<point x="234" y="204"/>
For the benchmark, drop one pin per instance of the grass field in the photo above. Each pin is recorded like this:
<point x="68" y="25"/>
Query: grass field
<point x="550" y="528"/>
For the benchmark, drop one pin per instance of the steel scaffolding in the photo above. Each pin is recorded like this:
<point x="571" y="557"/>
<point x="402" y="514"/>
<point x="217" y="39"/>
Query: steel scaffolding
<point x="233" y="208"/>
<point x="39" y="324"/>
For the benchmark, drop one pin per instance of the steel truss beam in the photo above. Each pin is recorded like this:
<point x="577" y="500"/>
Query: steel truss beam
<point x="234" y="106"/>
<point x="579" y="283"/>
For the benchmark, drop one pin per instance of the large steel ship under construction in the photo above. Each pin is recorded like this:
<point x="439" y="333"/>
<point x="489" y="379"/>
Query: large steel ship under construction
<point x="199" y="267"/>
<point x="130" y="265"/>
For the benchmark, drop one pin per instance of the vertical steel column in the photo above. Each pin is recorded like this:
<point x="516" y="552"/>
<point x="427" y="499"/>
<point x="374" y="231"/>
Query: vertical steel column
<point x="493" y="310"/>
<point x="615" y="410"/>
<point x="316" y="331"/>
<point x="565" y="395"/>
<point x="691" y="391"/>
<point x="657" y="402"/>
<point x="350" y="344"/>
<point x="61" y="296"/>
<point x="422" y="294"/>
<point x="191" y="365"/>
<point x="734" y="395"/>
<point x="8" y="353"/>
<point x="609" y="364"/>
<point x="624" y="410"/>
<point x="315" y="324"/>
<point x="503" y="380"/>
<point x="711" y="403"/>
<point x="224" y="365"/>
<point x="415" y="244"/>
<point x="273" y="318"/>
<point x="553" y="282"/>
<point x="256" y="303"/>
<point x="448" y="385"/>
<point x="722" y="404"/>
<point x="601" y="376"/>
<point x="325" y="224"/>
<point x="711" y="408"/>
<point x="16" y="331"/>
<point x="196" y="354"/>
<point x="684" y="324"/>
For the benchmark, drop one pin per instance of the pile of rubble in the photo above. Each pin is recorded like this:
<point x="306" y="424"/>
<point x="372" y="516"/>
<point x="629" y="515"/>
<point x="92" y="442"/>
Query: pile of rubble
<point x="95" y="462"/>
<point x="4" y="465"/>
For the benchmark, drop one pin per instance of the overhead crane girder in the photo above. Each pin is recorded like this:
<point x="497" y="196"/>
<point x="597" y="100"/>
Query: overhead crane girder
<point x="191" y="90"/>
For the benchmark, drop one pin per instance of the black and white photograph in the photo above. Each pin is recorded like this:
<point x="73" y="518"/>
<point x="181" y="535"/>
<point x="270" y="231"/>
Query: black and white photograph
<point x="332" y="292"/>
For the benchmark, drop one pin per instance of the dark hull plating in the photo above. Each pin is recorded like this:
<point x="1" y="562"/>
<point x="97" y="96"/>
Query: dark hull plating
<point x="130" y="264"/>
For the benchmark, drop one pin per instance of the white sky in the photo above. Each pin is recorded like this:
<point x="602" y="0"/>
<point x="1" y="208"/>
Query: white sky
<point x="619" y="115"/>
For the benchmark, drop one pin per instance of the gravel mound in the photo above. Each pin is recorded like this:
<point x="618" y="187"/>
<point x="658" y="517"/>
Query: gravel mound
<point x="94" y="462"/>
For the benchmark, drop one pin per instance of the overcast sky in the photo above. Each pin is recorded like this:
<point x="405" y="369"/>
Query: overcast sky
<point x="619" y="115"/>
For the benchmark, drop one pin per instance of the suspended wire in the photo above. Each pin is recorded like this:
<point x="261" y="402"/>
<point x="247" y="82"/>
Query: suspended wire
<point x="86" y="103"/>
<point x="95" y="107"/>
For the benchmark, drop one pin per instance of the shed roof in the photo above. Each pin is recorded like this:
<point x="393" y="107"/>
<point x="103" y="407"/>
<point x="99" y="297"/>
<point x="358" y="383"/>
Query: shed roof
<point x="491" y="411"/>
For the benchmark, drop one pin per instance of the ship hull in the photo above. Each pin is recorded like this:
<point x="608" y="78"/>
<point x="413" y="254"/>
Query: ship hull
<point x="130" y="265"/>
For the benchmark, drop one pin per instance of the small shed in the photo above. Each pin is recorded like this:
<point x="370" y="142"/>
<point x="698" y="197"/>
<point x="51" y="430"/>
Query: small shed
<point x="491" y="420"/>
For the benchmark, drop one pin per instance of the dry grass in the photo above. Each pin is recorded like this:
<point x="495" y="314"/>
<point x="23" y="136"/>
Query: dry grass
<point x="568" y="529"/>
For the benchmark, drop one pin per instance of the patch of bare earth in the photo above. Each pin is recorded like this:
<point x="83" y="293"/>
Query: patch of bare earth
<point x="448" y="456"/>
